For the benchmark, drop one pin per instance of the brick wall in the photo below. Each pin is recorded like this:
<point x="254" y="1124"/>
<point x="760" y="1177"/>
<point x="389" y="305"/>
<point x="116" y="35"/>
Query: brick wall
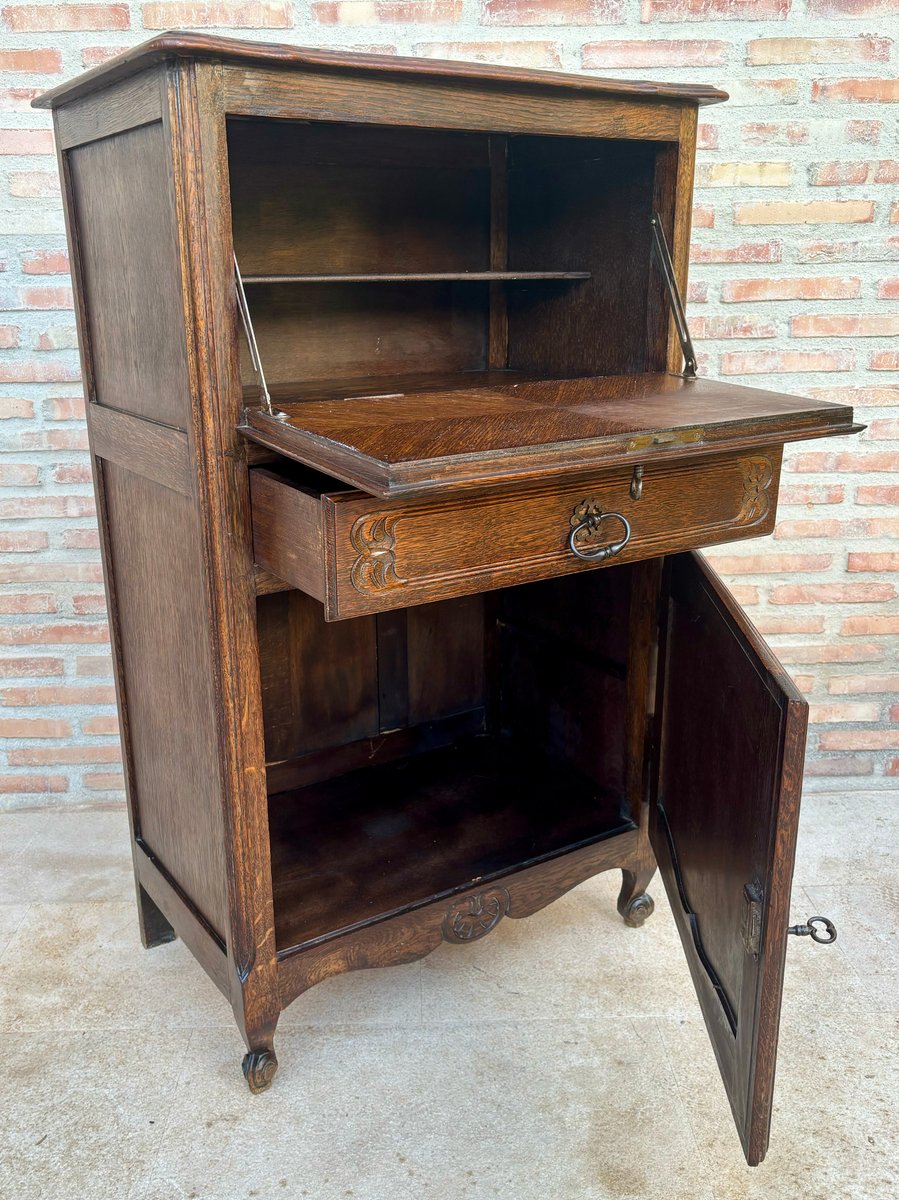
<point x="795" y="283"/>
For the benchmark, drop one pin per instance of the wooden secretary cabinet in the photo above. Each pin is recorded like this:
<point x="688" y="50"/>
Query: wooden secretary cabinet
<point x="409" y="636"/>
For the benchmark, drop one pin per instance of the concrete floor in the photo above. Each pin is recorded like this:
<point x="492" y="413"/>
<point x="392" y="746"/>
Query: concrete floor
<point x="562" y="1058"/>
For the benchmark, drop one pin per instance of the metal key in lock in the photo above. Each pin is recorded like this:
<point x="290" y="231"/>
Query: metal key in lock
<point x="819" y="929"/>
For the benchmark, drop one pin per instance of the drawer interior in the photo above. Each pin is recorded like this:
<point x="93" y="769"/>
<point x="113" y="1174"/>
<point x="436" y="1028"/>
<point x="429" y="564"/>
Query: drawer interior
<point x="412" y="753"/>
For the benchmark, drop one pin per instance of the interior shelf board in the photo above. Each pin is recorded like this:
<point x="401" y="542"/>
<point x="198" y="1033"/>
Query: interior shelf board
<point x="389" y="838"/>
<point x="422" y="277"/>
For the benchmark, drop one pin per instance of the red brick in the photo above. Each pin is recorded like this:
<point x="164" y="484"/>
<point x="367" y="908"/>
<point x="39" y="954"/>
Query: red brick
<point x="80" y="539"/>
<point x="835" y="174"/>
<point x="32" y="784"/>
<point x="767" y="362"/>
<point x="386" y="12"/>
<point x="786" y="625"/>
<point x="65" y="18"/>
<point x="23" y="542"/>
<point x="33" y="507"/>
<point x="775" y="133"/>
<point x="96" y="56"/>
<point x="9" y="337"/>
<point x="812" y="493"/>
<point x="833" y="593"/>
<point x="884" y="360"/>
<point x="817" y="287"/>
<point x="44" y="572"/>
<point x="868" y="397"/>
<point x="850" y="8"/>
<point x="745" y="252"/>
<point x="261" y="14"/>
<point x="60" y="756"/>
<point x="883" y="431"/>
<point x="875" y="91"/>
<point x="104" y="781"/>
<point x="66" y="408"/>
<point x="85" y="605"/>
<point x="788" y="530"/>
<point x="18" y="98"/>
<point x="37" y="62"/>
<point x="703" y="216"/>
<point x="47" y="297"/>
<point x="813" y="325"/>
<point x="27" y="602"/>
<point x="549" y="12"/>
<point x="830" y="653"/>
<point x="72" y="473"/>
<point x="30" y="668"/>
<point x="542" y="55"/>
<point x="839" y="767"/>
<point x="892" y="767"/>
<point x="19" y="475"/>
<point x="715" y="328"/>
<point x="38" y="371"/>
<point x="873" y="562"/>
<point x="100" y="725"/>
<point x="46" y="262"/>
<point x="894" y="213"/>
<point x="744" y="594"/>
<point x="714" y="10"/>
<point x="25" y="727"/>
<point x="744" y="174"/>
<point x="763" y="52"/>
<point x="862" y="685"/>
<point x="864" y="132"/>
<point x="33" y="184"/>
<point x="878" y="494"/>
<point x="707" y="137"/>
<point x="53" y="635"/>
<point x="846" y="461"/>
<point x="676" y="52"/>
<point x="57" y="694"/>
<point x="888" y="289"/>
<point x="26" y="141"/>
<point x="866" y="626"/>
<point x="859" y="739"/>
<point x="834" y="714"/>
<point x="804" y="212"/>
<point x="770" y="564"/>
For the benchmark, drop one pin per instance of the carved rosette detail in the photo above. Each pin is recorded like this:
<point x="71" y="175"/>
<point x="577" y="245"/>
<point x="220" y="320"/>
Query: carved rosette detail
<point x="757" y="476"/>
<point x="475" y="916"/>
<point x="373" y="539"/>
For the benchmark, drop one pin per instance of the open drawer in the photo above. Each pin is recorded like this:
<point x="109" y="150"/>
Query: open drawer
<point x="361" y="555"/>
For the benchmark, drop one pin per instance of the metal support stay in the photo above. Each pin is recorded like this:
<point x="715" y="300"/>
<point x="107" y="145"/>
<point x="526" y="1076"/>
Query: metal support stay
<point x="247" y="321"/>
<point x="663" y="257"/>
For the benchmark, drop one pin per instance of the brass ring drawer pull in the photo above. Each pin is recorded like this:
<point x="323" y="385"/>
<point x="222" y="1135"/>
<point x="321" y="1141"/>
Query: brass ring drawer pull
<point x="591" y="524"/>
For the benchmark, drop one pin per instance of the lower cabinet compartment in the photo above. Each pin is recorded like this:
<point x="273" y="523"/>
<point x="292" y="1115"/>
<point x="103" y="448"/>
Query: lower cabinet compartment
<point x="466" y="740"/>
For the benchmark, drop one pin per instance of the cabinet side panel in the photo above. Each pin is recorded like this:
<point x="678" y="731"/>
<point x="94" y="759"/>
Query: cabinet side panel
<point x="156" y="567"/>
<point x="124" y="221"/>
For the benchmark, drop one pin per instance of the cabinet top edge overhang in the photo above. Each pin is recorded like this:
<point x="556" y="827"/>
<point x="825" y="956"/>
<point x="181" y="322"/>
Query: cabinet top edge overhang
<point x="178" y="44"/>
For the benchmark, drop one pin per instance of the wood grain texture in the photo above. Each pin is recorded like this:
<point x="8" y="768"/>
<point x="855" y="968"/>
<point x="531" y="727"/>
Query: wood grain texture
<point x="133" y="102"/>
<point x="156" y="547"/>
<point x="395" y="444"/>
<point x="180" y="44"/>
<point x="379" y="556"/>
<point x="146" y="448"/>
<point x="724" y="818"/>
<point x="412" y="935"/>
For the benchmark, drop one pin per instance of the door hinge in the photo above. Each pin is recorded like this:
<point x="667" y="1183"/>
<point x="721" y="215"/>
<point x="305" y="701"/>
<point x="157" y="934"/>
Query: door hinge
<point x="751" y="925"/>
<point x="663" y="257"/>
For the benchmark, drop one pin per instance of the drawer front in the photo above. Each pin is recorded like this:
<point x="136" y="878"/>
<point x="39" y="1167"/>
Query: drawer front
<point x="383" y="555"/>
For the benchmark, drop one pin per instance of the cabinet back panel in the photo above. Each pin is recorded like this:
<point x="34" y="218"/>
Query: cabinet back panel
<point x="328" y="330"/>
<point x="581" y="206"/>
<point x="563" y="650"/>
<point x="121" y="188"/>
<point x="155" y="566"/>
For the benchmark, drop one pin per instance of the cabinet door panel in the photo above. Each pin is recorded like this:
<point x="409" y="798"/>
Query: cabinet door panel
<point x="725" y="809"/>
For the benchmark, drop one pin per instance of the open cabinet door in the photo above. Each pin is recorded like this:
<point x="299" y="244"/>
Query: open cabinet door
<point x="723" y="823"/>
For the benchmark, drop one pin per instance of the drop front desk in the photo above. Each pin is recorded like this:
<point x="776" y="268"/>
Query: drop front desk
<point x="400" y="462"/>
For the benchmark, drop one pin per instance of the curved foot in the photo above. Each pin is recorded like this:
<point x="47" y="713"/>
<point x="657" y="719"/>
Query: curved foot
<point x="634" y="903"/>
<point x="259" y="1068"/>
<point x="638" y="910"/>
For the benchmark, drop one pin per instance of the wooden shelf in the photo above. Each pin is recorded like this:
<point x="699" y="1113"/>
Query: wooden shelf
<point x="388" y="838"/>
<point x="424" y="277"/>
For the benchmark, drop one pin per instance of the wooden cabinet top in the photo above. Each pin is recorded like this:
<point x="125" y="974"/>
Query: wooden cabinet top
<point x="265" y="55"/>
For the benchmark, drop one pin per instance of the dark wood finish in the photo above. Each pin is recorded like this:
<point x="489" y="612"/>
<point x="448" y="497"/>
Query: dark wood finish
<point x="477" y="734"/>
<point x="199" y="46"/>
<point x="393" y="444"/>
<point x="725" y="814"/>
<point x="358" y="556"/>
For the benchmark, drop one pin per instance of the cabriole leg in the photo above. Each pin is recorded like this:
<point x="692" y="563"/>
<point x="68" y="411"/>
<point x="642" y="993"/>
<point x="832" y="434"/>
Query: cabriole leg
<point x="634" y="902"/>
<point x="259" y="1068"/>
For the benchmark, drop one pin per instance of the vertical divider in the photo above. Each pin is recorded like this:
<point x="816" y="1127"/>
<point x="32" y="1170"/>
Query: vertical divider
<point x="498" y="150"/>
